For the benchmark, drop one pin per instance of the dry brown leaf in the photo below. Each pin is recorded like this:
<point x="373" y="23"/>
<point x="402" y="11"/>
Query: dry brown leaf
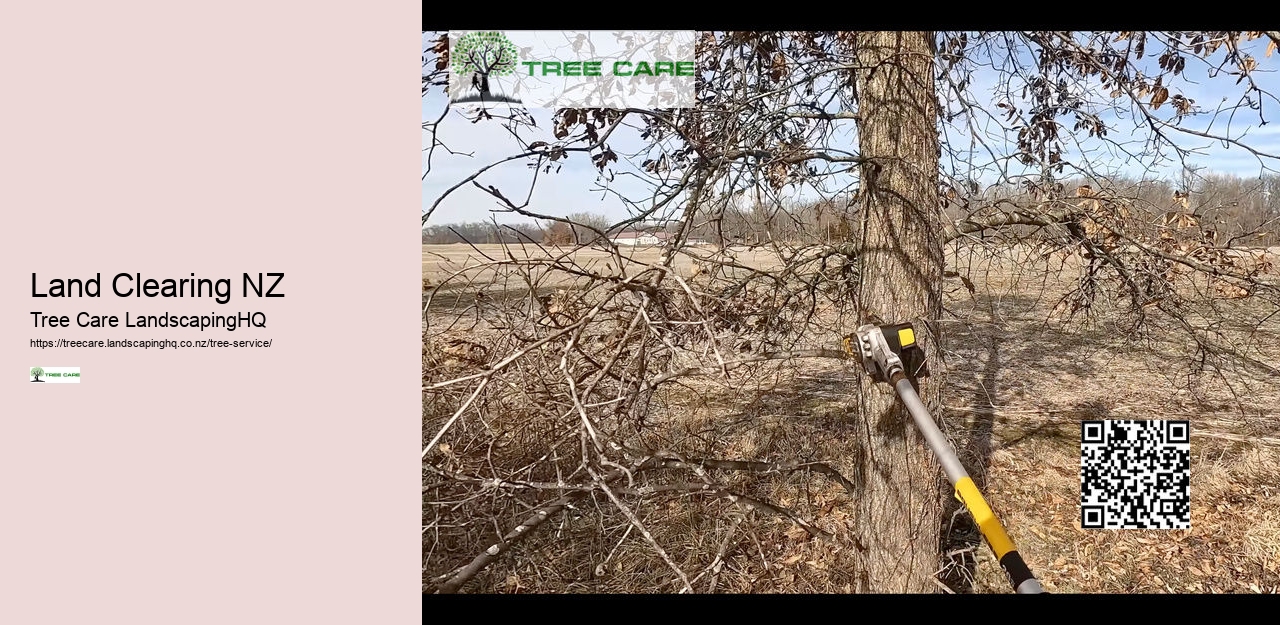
<point x="779" y="66"/>
<point x="1161" y="94"/>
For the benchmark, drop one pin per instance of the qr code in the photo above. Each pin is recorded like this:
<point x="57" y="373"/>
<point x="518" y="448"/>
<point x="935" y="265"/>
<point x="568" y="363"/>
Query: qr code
<point x="1135" y="474"/>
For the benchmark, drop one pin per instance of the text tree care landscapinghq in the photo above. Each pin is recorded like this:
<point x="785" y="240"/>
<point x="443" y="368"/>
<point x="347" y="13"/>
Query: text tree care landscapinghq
<point x="136" y="286"/>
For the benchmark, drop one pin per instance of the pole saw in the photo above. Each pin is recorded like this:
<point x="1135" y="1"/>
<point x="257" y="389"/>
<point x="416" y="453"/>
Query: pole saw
<point x="889" y="353"/>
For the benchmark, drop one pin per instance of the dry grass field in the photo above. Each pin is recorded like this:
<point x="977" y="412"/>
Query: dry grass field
<point x="441" y="261"/>
<point x="1016" y="385"/>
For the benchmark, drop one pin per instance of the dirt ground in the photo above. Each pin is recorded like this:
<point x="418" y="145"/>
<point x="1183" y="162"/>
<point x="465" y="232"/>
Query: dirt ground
<point x="1015" y="390"/>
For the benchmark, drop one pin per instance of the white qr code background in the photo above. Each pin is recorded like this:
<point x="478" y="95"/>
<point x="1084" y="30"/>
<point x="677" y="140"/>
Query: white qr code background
<point x="1135" y="474"/>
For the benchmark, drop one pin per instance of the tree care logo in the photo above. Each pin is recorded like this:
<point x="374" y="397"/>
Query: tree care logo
<point x="572" y="69"/>
<point x="484" y="55"/>
<point x="54" y="375"/>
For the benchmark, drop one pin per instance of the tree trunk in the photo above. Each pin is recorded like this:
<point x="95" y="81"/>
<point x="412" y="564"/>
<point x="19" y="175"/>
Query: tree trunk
<point x="899" y="515"/>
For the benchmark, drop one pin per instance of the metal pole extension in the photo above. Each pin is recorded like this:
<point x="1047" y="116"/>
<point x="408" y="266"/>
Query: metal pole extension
<point x="1024" y="583"/>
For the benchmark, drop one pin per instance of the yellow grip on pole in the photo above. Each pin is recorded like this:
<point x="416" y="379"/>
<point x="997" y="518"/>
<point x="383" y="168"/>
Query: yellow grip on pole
<point x="988" y="524"/>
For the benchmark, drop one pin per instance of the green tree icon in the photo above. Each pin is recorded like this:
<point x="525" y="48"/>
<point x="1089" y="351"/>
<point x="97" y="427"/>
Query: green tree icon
<point x="37" y="372"/>
<point x="484" y="54"/>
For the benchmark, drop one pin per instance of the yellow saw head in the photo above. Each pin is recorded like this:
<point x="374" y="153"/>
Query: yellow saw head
<point x="886" y="349"/>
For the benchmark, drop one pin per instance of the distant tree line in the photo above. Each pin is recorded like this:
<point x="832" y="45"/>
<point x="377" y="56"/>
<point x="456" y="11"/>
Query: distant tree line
<point x="481" y="232"/>
<point x="1242" y="211"/>
<point x="1234" y="205"/>
<point x="577" y="228"/>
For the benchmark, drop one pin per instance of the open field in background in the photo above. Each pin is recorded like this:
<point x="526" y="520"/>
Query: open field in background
<point x="440" y="261"/>
<point x="1015" y="390"/>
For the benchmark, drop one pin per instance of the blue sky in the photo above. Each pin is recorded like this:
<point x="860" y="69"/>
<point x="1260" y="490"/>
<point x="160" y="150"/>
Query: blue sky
<point x="573" y="188"/>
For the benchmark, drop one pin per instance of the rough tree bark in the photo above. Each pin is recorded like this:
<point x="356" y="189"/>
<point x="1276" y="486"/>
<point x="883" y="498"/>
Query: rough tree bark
<point x="901" y="268"/>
